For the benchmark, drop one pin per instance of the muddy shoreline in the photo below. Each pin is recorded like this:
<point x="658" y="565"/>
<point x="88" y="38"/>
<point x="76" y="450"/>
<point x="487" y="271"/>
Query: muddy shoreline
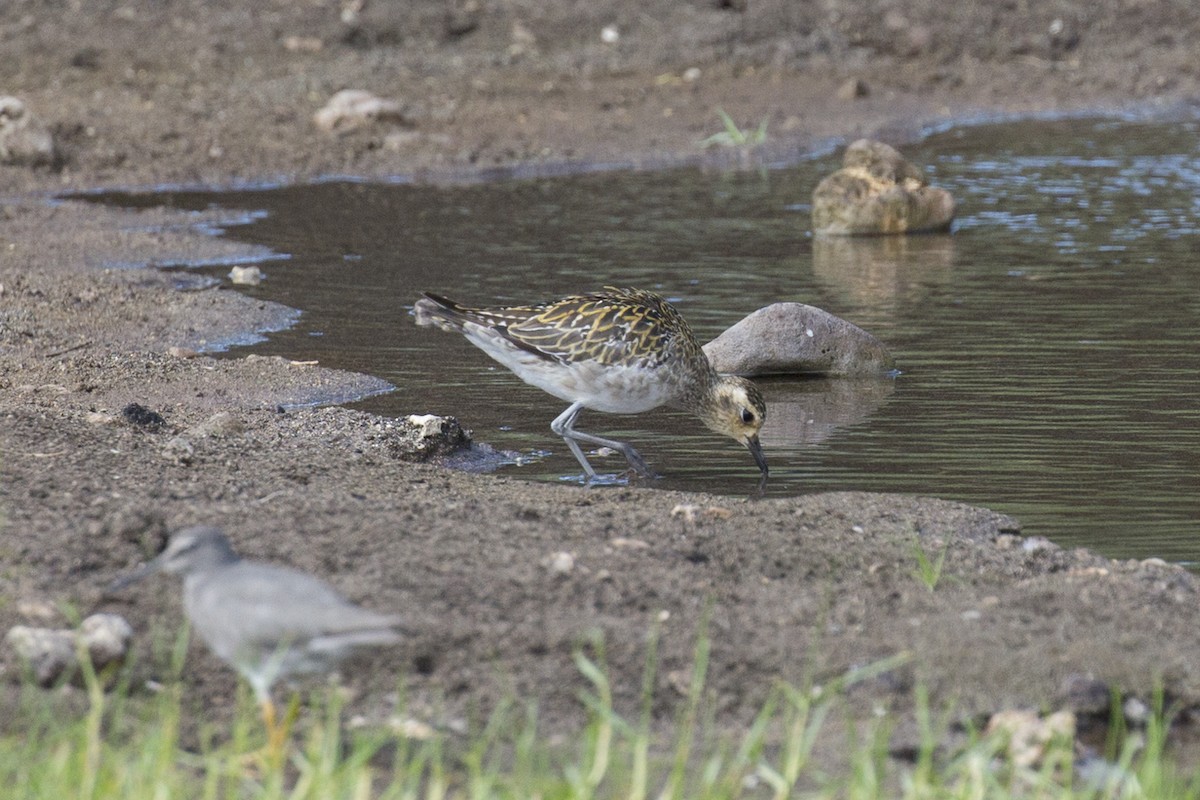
<point x="192" y="94"/>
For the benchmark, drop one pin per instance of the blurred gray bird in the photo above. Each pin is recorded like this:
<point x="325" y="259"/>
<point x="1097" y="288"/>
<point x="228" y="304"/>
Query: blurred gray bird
<point x="267" y="622"/>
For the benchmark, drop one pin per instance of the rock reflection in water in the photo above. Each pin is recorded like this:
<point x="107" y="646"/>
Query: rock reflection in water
<point x="882" y="272"/>
<point x="808" y="411"/>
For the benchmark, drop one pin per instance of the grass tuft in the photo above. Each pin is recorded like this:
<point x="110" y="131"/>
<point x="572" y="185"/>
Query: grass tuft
<point x="736" y="137"/>
<point x="119" y="748"/>
<point x="928" y="570"/>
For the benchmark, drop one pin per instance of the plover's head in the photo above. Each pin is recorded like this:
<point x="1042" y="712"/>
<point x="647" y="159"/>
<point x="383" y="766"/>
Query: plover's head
<point x="736" y="409"/>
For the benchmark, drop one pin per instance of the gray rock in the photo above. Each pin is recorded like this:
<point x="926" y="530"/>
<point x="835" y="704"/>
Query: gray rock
<point x="422" y="437"/>
<point x="794" y="338"/>
<point x="24" y="140"/>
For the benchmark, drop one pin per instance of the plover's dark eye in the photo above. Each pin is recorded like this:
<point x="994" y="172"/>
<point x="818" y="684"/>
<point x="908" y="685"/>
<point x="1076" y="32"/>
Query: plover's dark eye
<point x="747" y="416"/>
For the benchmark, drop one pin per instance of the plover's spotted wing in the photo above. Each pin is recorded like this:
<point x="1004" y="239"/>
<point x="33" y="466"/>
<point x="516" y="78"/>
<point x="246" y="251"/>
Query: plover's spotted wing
<point x="611" y="328"/>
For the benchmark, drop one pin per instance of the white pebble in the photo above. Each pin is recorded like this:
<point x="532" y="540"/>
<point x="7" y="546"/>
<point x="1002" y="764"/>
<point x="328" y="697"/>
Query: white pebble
<point x="561" y="563"/>
<point x="106" y="637"/>
<point x="247" y="276"/>
<point x="685" y="510"/>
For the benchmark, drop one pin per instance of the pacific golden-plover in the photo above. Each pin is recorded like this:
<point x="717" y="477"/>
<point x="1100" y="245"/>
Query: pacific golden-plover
<point x="622" y="351"/>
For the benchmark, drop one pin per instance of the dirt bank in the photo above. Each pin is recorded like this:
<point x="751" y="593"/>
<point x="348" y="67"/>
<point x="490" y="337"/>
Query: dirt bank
<point x="215" y="93"/>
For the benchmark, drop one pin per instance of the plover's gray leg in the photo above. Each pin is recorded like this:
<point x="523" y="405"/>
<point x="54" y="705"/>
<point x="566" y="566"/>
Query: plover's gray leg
<point x="564" y="426"/>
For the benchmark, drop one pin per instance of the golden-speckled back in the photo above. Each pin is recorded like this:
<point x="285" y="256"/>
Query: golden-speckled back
<point x="615" y="326"/>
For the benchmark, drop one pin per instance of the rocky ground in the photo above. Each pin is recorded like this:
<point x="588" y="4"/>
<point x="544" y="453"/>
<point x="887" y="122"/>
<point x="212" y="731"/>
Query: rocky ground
<point x="502" y="580"/>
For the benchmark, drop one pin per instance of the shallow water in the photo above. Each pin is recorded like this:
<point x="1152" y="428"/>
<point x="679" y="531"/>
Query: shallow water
<point x="1048" y="348"/>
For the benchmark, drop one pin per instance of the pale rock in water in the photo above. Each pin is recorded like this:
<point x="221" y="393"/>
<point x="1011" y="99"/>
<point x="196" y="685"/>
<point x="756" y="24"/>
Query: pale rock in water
<point x="794" y="338"/>
<point x="878" y="192"/>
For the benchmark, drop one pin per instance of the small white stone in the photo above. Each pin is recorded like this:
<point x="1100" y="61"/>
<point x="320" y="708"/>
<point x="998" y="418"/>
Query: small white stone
<point x="302" y="44"/>
<point x="1034" y="544"/>
<point x="410" y="728"/>
<point x="351" y="109"/>
<point x="626" y="542"/>
<point x="521" y="35"/>
<point x="38" y="611"/>
<point x="23" y="138"/>
<point x="47" y="652"/>
<point x="427" y="424"/>
<point x="179" y="449"/>
<point x="609" y="34"/>
<point x="106" y="637"/>
<point x="247" y="276"/>
<point x="561" y="563"/>
<point x="100" y="418"/>
<point x="1136" y="711"/>
<point x="686" y="511"/>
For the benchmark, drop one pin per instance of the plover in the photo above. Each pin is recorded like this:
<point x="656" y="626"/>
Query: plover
<point x="622" y="351"/>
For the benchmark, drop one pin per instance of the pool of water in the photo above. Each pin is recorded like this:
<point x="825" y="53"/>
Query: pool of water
<point x="1047" y="348"/>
